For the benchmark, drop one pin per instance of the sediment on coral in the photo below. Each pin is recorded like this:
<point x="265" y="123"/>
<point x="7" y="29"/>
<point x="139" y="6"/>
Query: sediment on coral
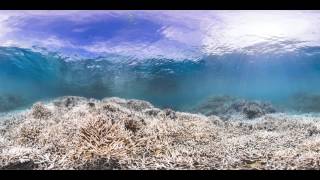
<point x="226" y="106"/>
<point x="114" y="133"/>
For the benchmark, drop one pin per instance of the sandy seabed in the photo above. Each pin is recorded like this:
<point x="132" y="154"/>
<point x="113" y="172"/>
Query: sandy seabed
<point x="113" y="133"/>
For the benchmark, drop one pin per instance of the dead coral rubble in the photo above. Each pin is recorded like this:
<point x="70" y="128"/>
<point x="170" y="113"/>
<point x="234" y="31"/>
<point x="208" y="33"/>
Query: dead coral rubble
<point x="114" y="133"/>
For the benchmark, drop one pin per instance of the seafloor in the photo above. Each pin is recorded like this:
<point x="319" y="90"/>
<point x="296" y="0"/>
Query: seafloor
<point x="114" y="133"/>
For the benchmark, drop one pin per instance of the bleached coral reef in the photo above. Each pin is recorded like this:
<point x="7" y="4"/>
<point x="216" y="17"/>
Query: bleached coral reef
<point x="227" y="106"/>
<point x="114" y="133"/>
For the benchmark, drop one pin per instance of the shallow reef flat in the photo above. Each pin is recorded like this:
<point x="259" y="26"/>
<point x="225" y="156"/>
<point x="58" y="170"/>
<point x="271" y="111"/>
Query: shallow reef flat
<point x="113" y="133"/>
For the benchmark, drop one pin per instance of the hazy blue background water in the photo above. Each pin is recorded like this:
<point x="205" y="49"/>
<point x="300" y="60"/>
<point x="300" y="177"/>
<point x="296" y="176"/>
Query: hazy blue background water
<point x="28" y="76"/>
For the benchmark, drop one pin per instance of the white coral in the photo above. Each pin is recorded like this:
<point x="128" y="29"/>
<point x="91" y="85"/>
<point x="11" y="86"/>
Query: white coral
<point x="78" y="133"/>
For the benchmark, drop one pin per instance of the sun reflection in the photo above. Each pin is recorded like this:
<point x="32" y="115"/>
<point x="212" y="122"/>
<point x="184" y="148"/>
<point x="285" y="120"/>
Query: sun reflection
<point x="239" y="30"/>
<point x="266" y="29"/>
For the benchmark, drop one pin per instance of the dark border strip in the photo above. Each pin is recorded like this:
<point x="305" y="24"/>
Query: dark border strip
<point x="159" y="4"/>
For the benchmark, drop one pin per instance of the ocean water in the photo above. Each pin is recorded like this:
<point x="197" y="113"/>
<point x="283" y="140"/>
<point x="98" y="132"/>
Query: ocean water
<point x="284" y="79"/>
<point x="174" y="59"/>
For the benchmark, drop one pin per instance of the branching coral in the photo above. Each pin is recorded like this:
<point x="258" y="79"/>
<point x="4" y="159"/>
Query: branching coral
<point x="114" y="133"/>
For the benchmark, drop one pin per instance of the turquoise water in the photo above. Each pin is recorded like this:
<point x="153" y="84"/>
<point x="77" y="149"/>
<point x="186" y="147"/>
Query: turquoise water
<point x="285" y="79"/>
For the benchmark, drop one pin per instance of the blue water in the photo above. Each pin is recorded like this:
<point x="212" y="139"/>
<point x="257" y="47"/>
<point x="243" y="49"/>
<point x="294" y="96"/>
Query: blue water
<point x="27" y="76"/>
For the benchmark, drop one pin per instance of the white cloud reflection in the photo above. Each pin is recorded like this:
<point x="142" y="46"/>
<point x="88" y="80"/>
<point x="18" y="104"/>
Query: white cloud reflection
<point x="168" y="34"/>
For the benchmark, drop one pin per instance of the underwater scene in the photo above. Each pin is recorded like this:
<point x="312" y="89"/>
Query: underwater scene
<point x="159" y="89"/>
